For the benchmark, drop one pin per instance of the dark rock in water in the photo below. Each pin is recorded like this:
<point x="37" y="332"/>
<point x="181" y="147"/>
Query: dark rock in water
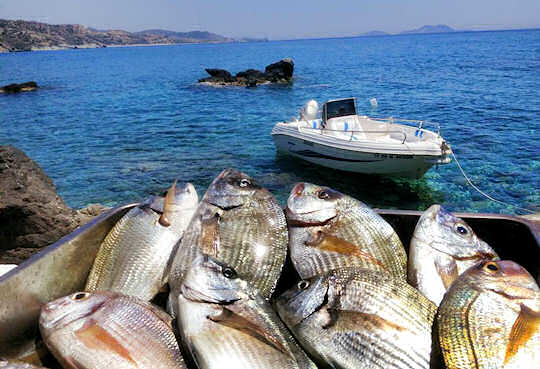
<point x="220" y="73"/>
<point x="19" y="87"/>
<point x="251" y="74"/>
<point x="32" y="215"/>
<point x="280" y="72"/>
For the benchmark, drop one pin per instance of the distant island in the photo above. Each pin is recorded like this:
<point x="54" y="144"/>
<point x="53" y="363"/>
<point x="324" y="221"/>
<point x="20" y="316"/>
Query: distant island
<point x="440" y="28"/>
<point x="20" y="35"/>
<point x="428" y="29"/>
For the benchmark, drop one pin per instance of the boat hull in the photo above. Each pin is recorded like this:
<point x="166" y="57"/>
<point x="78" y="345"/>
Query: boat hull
<point x="402" y="165"/>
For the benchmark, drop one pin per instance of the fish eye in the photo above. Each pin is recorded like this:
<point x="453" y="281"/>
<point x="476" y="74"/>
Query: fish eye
<point x="492" y="267"/>
<point x="303" y="285"/>
<point x="244" y="182"/>
<point x="229" y="273"/>
<point x="80" y="296"/>
<point x="323" y="195"/>
<point x="461" y="229"/>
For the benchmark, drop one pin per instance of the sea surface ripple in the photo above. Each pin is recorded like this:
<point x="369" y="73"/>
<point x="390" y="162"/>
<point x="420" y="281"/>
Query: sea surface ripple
<point x="116" y="125"/>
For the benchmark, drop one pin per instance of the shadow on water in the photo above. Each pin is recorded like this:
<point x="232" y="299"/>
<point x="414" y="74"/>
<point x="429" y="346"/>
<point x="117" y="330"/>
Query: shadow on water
<point x="376" y="191"/>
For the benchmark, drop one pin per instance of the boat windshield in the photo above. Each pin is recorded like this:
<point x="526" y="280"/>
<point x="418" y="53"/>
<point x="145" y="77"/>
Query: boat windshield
<point x="340" y="108"/>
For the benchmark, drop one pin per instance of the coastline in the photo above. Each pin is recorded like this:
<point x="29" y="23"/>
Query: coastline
<point x="103" y="46"/>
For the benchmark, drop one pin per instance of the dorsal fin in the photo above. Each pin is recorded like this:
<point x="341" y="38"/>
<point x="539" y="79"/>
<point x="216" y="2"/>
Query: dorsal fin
<point x="166" y="217"/>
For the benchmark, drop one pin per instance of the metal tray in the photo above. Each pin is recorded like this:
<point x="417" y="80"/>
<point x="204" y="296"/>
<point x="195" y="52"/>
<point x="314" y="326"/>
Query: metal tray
<point x="62" y="268"/>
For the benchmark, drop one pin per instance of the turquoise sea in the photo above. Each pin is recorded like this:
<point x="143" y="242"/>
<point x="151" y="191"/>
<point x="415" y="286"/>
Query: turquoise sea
<point x="115" y="125"/>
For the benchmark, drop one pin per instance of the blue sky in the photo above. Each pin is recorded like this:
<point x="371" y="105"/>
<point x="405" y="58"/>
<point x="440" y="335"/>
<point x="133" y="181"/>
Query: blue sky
<point x="279" y="19"/>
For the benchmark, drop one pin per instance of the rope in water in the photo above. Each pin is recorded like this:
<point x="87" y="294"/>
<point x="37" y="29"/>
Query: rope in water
<point x="485" y="194"/>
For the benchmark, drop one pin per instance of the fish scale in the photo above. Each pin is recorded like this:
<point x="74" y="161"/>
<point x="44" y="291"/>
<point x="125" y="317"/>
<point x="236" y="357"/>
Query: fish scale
<point x="109" y="330"/>
<point x="368" y="319"/>
<point x="226" y="323"/>
<point x="133" y="257"/>
<point x="249" y="234"/>
<point x="475" y="323"/>
<point x="134" y="253"/>
<point x="345" y="233"/>
<point x="363" y="225"/>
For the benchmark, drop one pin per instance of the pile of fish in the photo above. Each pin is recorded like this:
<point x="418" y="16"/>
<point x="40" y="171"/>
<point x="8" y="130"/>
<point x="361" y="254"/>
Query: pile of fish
<point x="359" y="301"/>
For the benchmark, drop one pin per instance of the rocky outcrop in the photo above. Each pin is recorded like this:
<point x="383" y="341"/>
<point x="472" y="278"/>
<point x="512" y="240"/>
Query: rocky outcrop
<point x="32" y="215"/>
<point x="280" y="72"/>
<point x="19" y="87"/>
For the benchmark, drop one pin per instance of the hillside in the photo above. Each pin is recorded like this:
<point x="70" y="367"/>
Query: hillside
<point x="18" y="35"/>
<point x="194" y="36"/>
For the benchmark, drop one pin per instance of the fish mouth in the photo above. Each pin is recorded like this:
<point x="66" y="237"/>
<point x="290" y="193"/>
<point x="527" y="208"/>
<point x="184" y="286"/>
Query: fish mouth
<point x="65" y="318"/>
<point x="480" y="256"/>
<point x="522" y="293"/>
<point x="197" y="296"/>
<point x="224" y="207"/>
<point x="476" y="255"/>
<point x="293" y="218"/>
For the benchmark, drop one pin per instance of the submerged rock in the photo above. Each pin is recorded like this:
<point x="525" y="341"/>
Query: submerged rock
<point x="280" y="72"/>
<point x="19" y="87"/>
<point x="32" y="215"/>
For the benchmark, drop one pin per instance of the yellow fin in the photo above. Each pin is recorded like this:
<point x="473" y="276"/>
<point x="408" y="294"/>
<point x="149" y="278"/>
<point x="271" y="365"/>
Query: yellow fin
<point x="350" y="320"/>
<point x="448" y="272"/>
<point x="168" y="203"/>
<point x="331" y="243"/>
<point x="235" y="321"/>
<point x="525" y="326"/>
<point x="94" y="336"/>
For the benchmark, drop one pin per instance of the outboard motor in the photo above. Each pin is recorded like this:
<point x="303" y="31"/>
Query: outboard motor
<point x="310" y="110"/>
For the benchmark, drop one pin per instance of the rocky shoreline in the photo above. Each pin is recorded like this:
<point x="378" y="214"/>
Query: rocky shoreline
<point x="32" y="214"/>
<point x="20" y="35"/>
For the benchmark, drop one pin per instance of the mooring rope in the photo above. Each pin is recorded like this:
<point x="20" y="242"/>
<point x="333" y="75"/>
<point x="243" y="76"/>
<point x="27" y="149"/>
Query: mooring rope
<point x="485" y="194"/>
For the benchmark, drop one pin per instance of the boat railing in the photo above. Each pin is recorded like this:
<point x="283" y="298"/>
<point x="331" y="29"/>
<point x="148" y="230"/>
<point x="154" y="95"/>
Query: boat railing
<point x="410" y="122"/>
<point x="324" y="130"/>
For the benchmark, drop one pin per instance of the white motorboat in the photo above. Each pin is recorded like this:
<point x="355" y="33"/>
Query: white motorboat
<point x="336" y="137"/>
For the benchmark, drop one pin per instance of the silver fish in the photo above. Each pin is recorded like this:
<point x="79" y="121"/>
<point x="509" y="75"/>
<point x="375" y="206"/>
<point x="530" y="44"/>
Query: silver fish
<point x="7" y="364"/>
<point x="360" y="318"/>
<point x="133" y="257"/>
<point x="490" y="319"/>
<point x="226" y="323"/>
<point x="442" y="247"/>
<point x="108" y="330"/>
<point x="239" y="223"/>
<point x="329" y="230"/>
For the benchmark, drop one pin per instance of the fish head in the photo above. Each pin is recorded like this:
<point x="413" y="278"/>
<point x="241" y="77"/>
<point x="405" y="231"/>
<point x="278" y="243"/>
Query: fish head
<point x="211" y="281"/>
<point x="186" y="196"/>
<point x="446" y="233"/>
<point x="505" y="278"/>
<point x="310" y="204"/>
<point x="65" y="310"/>
<point x="232" y="188"/>
<point x="302" y="300"/>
